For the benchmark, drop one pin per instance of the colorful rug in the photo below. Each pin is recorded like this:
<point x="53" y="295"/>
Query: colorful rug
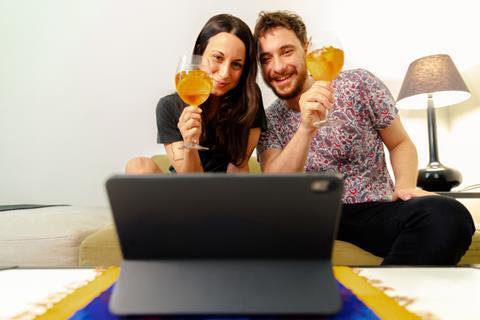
<point x="360" y="301"/>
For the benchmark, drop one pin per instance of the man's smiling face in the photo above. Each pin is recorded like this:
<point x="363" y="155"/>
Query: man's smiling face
<point x="282" y="58"/>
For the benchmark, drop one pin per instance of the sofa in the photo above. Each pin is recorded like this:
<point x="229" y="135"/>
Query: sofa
<point x="102" y="247"/>
<point x="86" y="236"/>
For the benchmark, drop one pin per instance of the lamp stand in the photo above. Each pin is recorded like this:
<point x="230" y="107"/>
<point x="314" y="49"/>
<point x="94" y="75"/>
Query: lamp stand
<point x="436" y="177"/>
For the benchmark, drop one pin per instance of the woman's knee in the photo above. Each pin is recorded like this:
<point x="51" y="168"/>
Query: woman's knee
<point x="141" y="165"/>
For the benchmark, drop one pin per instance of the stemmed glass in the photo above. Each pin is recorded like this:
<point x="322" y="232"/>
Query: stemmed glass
<point x="193" y="82"/>
<point x="324" y="62"/>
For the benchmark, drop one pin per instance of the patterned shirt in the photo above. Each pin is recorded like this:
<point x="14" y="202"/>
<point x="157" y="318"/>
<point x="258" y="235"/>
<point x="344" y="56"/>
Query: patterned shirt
<point x="353" y="149"/>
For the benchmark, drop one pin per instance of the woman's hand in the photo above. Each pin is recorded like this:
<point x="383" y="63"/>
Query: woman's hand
<point x="190" y="124"/>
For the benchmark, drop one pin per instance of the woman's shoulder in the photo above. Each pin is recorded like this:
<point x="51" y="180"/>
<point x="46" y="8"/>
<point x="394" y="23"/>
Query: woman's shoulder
<point x="170" y="99"/>
<point x="170" y="104"/>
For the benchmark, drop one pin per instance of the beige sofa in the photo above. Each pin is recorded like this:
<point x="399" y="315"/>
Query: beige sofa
<point x="85" y="236"/>
<point x="102" y="248"/>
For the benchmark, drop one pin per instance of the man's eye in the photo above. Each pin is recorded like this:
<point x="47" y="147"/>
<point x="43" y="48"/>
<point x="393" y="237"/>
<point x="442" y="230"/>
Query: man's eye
<point x="264" y="60"/>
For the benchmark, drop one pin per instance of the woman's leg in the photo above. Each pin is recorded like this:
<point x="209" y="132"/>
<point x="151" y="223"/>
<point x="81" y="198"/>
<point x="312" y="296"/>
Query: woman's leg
<point x="141" y="165"/>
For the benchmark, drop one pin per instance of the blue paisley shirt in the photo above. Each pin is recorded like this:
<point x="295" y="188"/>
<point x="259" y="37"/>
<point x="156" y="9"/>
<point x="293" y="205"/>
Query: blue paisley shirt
<point x="353" y="149"/>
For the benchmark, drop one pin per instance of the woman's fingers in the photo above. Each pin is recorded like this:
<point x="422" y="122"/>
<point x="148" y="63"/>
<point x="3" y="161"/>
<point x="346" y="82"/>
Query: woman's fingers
<point x="190" y="124"/>
<point x="191" y="113"/>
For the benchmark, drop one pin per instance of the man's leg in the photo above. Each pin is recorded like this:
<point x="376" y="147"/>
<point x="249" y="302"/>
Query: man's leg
<point x="430" y="230"/>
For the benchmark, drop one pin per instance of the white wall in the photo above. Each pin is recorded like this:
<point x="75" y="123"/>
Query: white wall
<point x="79" y="81"/>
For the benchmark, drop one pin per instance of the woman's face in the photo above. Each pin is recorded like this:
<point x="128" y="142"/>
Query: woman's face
<point x="226" y="55"/>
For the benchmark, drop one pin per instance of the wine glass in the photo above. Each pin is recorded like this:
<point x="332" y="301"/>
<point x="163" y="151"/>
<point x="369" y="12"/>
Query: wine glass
<point x="193" y="82"/>
<point x="324" y="62"/>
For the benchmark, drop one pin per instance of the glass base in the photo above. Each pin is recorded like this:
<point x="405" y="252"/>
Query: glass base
<point x="328" y="123"/>
<point x="193" y="145"/>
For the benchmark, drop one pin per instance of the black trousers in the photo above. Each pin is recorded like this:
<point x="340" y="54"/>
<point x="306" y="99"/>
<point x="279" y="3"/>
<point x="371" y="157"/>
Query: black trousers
<point x="431" y="230"/>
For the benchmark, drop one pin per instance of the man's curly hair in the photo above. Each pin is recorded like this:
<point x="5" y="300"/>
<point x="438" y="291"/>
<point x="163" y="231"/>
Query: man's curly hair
<point x="286" y="19"/>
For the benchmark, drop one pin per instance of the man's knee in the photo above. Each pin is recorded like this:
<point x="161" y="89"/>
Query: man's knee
<point x="447" y="214"/>
<point x="141" y="165"/>
<point x="448" y="228"/>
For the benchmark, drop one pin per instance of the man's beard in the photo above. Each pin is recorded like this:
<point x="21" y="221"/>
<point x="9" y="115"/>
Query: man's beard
<point x="296" y="90"/>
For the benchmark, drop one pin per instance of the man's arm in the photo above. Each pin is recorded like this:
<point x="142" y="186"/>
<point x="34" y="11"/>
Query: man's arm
<point x="313" y="105"/>
<point x="293" y="157"/>
<point x="404" y="160"/>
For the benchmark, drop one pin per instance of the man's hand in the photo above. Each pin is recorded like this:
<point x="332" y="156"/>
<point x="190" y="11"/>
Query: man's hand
<point x="315" y="103"/>
<point x="190" y="124"/>
<point x="409" y="193"/>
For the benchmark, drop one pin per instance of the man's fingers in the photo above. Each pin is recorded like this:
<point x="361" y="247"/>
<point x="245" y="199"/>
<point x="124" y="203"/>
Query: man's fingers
<point x="322" y="89"/>
<point x="314" y="106"/>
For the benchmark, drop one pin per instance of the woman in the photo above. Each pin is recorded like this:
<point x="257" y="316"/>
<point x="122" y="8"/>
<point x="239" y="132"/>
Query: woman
<point x="229" y="122"/>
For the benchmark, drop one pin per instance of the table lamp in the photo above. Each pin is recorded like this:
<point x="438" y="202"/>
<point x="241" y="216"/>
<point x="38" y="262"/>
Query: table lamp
<point x="429" y="80"/>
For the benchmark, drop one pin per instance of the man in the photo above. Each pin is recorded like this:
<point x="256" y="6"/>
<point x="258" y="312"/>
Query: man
<point x="396" y="221"/>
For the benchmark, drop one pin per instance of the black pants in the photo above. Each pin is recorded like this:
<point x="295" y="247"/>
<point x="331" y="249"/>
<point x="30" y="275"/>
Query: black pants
<point x="431" y="230"/>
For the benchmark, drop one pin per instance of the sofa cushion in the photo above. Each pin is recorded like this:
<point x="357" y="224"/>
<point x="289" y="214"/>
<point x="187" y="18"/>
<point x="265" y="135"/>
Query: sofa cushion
<point x="348" y="254"/>
<point x="163" y="163"/>
<point x="47" y="236"/>
<point x="473" y="254"/>
<point x="102" y="249"/>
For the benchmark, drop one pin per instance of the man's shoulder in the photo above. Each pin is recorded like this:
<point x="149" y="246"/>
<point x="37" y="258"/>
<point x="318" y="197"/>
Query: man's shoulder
<point x="356" y="75"/>
<point x="278" y="105"/>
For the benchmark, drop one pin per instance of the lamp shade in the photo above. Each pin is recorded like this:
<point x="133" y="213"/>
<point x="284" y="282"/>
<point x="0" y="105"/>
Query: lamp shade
<point x="435" y="75"/>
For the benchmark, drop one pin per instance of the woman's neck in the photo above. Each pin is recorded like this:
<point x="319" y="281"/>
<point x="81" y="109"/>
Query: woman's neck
<point x="213" y="105"/>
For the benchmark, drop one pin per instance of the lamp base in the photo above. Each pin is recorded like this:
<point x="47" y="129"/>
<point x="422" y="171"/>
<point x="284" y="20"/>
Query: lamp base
<point x="436" y="177"/>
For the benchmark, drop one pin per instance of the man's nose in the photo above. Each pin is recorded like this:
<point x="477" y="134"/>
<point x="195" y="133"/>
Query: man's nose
<point x="278" y="65"/>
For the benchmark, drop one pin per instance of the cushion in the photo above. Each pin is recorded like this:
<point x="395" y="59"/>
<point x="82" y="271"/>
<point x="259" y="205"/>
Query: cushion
<point x="473" y="254"/>
<point x="47" y="236"/>
<point x="100" y="249"/>
<point x="162" y="161"/>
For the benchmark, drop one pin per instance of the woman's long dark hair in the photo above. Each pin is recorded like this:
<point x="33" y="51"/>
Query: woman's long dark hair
<point x="238" y="107"/>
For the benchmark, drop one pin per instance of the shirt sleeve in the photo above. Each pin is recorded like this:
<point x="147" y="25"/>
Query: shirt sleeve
<point x="168" y="111"/>
<point x="378" y="100"/>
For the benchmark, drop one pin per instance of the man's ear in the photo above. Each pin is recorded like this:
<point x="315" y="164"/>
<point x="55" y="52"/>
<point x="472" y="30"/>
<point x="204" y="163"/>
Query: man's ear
<point x="307" y="44"/>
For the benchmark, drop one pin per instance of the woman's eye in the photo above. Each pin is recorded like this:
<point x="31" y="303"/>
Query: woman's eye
<point x="217" y="58"/>
<point x="237" y="65"/>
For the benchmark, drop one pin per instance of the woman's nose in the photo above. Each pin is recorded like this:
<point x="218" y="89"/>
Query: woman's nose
<point x="223" y="70"/>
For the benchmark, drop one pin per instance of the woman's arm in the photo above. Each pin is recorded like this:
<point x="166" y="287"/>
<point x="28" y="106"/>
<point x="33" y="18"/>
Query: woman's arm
<point x="190" y="126"/>
<point x="183" y="160"/>
<point x="253" y="137"/>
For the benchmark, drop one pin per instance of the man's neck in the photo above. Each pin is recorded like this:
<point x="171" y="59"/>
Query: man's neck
<point x="293" y="103"/>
